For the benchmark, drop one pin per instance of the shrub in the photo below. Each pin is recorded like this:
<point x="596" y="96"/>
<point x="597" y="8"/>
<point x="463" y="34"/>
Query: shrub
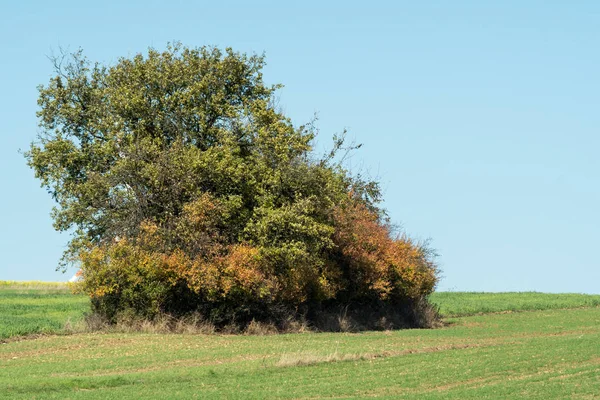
<point x="377" y="266"/>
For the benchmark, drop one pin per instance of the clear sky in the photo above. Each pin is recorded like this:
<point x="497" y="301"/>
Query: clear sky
<point x="480" y="118"/>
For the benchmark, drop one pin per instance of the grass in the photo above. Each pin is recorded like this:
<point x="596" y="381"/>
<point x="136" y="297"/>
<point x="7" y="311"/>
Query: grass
<point x="38" y="307"/>
<point x="454" y="304"/>
<point x="539" y="354"/>
<point x="546" y="353"/>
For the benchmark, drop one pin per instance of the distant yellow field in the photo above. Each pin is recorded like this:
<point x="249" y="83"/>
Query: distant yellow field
<point x="33" y="285"/>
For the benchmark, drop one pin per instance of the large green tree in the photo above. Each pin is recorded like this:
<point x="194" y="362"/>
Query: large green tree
<point x="187" y="190"/>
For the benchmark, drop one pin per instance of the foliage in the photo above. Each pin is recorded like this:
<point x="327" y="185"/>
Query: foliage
<point x="188" y="191"/>
<point x="387" y="268"/>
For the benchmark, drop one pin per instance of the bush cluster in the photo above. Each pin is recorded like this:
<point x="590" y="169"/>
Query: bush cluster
<point x="243" y="281"/>
<point x="189" y="192"/>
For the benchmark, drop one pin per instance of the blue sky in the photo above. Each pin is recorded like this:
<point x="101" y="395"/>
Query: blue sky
<point x="480" y="119"/>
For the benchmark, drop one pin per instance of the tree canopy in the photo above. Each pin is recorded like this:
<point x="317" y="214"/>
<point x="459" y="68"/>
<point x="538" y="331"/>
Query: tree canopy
<point x="187" y="190"/>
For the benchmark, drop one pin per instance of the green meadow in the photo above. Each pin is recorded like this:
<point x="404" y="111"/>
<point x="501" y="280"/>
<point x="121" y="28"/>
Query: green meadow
<point x="505" y="345"/>
<point x="38" y="307"/>
<point x="456" y="304"/>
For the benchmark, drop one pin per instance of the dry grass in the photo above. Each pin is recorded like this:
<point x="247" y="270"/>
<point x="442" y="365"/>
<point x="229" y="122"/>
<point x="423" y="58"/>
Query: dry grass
<point x="192" y="325"/>
<point x="339" y="319"/>
<point x="260" y="329"/>
<point x="300" y="359"/>
<point x="304" y="358"/>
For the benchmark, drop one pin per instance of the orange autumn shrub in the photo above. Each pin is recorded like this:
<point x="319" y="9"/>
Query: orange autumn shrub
<point x="412" y="272"/>
<point x="237" y="273"/>
<point x="362" y="242"/>
<point x="378" y="266"/>
<point x="140" y="278"/>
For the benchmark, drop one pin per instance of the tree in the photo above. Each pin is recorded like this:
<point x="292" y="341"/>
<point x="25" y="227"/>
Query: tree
<point x="188" y="191"/>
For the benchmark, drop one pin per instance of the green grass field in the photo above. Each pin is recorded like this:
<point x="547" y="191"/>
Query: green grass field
<point x="458" y="304"/>
<point x="552" y="351"/>
<point x="36" y="307"/>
